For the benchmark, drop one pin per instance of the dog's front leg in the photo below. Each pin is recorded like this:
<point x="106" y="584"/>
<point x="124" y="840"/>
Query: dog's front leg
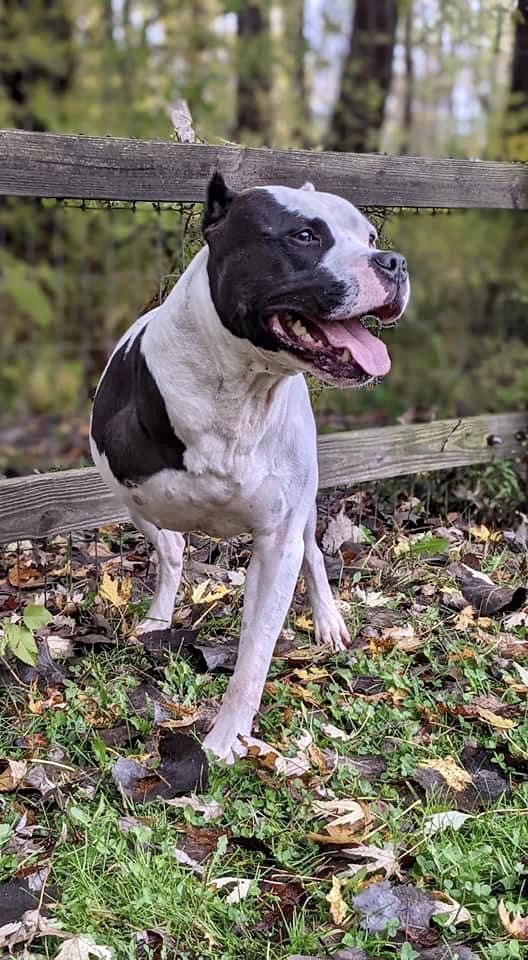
<point x="329" y="626"/>
<point x="270" y="582"/>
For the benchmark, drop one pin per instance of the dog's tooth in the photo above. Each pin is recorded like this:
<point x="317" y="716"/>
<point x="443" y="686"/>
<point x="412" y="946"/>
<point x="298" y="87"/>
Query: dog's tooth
<point x="345" y="356"/>
<point x="297" y="328"/>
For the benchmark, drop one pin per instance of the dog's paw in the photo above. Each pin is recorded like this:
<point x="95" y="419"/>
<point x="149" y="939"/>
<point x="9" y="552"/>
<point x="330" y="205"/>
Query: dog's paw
<point x="224" y="739"/>
<point x="330" y="630"/>
<point x="149" y="624"/>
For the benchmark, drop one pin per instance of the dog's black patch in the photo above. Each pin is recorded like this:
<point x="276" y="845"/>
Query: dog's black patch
<point x="257" y="265"/>
<point x="130" y="422"/>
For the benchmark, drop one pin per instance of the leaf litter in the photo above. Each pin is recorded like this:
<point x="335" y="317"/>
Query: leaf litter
<point x="425" y="606"/>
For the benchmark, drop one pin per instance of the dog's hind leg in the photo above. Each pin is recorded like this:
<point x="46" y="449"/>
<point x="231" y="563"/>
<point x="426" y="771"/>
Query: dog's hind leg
<point x="328" y="623"/>
<point x="169" y="547"/>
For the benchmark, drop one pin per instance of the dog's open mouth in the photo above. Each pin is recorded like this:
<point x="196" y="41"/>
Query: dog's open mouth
<point x="343" y="350"/>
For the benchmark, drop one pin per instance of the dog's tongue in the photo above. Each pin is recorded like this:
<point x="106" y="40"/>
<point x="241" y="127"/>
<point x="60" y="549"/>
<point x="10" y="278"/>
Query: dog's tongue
<point x="366" y="350"/>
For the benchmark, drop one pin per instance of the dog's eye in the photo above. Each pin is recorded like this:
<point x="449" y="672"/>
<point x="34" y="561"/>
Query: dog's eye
<point x="305" y="236"/>
<point x="372" y="240"/>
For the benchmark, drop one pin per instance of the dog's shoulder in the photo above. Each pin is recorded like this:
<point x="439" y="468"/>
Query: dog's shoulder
<point x="130" y="424"/>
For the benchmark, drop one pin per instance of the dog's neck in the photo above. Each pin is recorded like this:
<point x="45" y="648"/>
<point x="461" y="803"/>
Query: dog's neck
<point x="210" y="379"/>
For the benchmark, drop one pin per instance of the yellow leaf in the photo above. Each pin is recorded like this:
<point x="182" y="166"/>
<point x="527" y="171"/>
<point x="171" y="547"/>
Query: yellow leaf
<point x="116" y="592"/>
<point x="304" y="623"/>
<point x="501" y="723"/>
<point x="455" y="776"/>
<point x="338" y="907"/>
<point x="201" y="593"/>
<point x="481" y="533"/>
<point x="516" y="925"/>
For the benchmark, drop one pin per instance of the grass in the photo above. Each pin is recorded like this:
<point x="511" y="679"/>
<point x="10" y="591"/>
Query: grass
<point x="112" y="886"/>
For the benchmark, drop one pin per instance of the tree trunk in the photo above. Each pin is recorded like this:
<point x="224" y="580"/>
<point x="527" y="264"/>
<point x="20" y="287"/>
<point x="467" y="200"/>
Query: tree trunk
<point x="253" y="116"/>
<point x="295" y="46"/>
<point x="365" y="78"/>
<point x="409" y="81"/>
<point x="519" y="77"/>
<point x="25" y="70"/>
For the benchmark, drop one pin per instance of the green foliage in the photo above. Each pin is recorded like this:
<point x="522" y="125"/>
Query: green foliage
<point x="18" y="637"/>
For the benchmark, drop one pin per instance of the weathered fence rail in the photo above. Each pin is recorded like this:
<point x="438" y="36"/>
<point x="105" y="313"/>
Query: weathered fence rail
<point x="106" y="168"/>
<point x="51" y="503"/>
<point x="91" y="168"/>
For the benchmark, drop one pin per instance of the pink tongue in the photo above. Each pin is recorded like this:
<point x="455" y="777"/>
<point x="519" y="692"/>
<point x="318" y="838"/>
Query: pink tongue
<point x="366" y="350"/>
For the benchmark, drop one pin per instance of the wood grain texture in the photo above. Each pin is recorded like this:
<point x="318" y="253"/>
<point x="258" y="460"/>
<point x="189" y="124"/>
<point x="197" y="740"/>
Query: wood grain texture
<point x="47" y="504"/>
<point x="105" y="168"/>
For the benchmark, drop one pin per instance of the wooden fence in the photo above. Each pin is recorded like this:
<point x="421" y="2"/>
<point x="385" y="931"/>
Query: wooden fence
<point x="51" y="165"/>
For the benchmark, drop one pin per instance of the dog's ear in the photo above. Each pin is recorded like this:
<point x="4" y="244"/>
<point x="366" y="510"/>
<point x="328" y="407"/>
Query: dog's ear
<point x="219" y="199"/>
<point x="307" y="186"/>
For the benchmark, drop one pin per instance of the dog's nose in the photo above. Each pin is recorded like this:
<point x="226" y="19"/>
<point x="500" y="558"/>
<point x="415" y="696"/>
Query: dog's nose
<point x="391" y="264"/>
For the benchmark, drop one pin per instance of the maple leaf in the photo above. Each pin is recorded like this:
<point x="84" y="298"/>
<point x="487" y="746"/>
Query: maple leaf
<point x="516" y="925"/>
<point x="202" y="593"/>
<point x="82" y="948"/>
<point x="376" y="859"/>
<point x="117" y="593"/>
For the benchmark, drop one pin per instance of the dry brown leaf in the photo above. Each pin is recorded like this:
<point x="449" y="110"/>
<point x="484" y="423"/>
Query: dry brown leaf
<point x="338" y="907"/>
<point x="454" y="912"/>
<point x="501" y="723"/>
<point x="516" y="925"/>
<point x="465" y="619"/>
<point x="455" y="776"/>
<point x="82" y="948"/>
<point x="13" y="774"/>
<point x="24" y="577"/>
<point x="206" y="592"/>
<point x="375" y="860"/>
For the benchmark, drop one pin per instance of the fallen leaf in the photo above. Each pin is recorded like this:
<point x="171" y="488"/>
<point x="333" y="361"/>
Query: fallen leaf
<point x="335" y="733"/>
<point x="115" y="591"/>
<point x="304" y="623"/>
<point x="454" y="775"/>
<point x="371" y="598"/>
<point x="374" y="860"/>
<point x="12" y="772"/>
<point x="183" y="767"/>
<point x="500" y="723"/>
<point x="485" y="596"/>
<point x="437" y="822"/>
<point x="270" y="758"/>
<point x="25" y="577"/>
<point x="453" y="912"/>
<point x="210" y="810"/>
<point x="240" y="886"/>
<point x="202" y="594"/>
<point x="338" y="531"/>
<point x="515" y="924"/>
<point x="338" y="907"/>
<point x="523" y="673"/>
<point x="82" y="948"/>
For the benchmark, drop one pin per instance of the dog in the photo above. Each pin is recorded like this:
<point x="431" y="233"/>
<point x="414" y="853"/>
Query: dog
<point x="202" y="417"/>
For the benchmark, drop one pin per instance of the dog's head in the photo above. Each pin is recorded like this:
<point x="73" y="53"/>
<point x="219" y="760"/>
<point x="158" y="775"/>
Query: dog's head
<point x="296" y="272"/>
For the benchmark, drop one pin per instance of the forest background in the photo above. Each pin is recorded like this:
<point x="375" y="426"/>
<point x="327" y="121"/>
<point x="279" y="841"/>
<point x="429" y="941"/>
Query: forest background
<point x="417" y="77"/>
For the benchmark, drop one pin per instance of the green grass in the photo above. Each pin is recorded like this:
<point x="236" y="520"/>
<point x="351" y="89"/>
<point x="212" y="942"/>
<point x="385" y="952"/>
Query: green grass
<point x="112" y="886"/>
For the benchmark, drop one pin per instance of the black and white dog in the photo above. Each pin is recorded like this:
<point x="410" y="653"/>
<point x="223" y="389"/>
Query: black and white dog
<point x="202" y="418"/>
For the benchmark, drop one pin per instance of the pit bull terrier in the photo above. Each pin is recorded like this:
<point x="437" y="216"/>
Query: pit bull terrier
<point x="202" y="418"/>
